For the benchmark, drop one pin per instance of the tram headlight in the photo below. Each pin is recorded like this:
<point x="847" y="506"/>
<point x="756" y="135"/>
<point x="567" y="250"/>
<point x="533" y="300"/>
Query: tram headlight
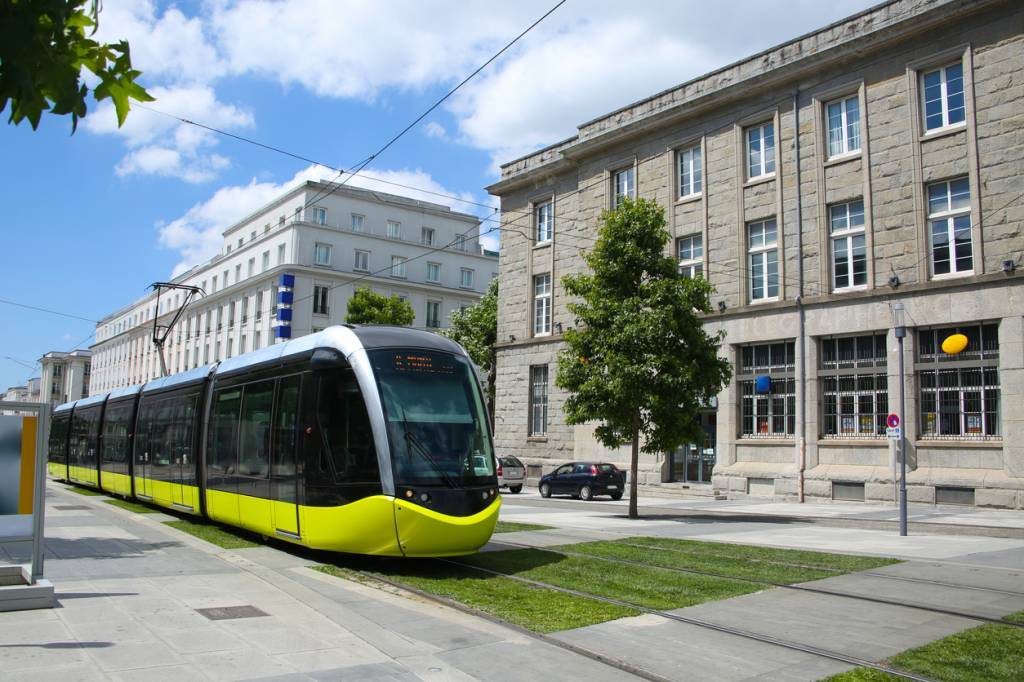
<point x="424" y="497"/>
<point x="409" y="493"/>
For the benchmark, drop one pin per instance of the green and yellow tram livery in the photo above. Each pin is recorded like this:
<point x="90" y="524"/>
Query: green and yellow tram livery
<point x="369" y="440"/>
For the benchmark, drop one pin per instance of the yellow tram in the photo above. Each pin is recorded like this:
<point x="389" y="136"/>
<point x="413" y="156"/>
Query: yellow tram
<point x="369" y="440"/>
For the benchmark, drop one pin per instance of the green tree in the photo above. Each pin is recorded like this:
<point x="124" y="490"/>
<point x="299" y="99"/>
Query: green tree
<point x="43" y="50"/>
<point x="476" y="330"/>
<point x="367" y="307"/>
<point x="639" y="362"/>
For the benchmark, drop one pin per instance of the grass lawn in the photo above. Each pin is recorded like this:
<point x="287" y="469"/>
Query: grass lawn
<point x="651" y="585"/>
<point x="534" y="608"/>
<point x="88" y="492"/>
<point x="213" y="533"/>
<point x="782" y="566"/>
<point x="989" y="653"/>
<point x="512" y="527"/>
<point x="133" y="506"/>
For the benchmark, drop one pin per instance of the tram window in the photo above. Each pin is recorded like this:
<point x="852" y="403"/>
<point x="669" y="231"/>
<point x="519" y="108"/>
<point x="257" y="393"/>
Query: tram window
<point x="254" y="454"/>
<point x="224" y="431"/>
<point x="284" y="426"/>
<point x="346" y="441"/>
<point x="163" y="432"/>
<point x="116" y="424"/>
<point x="58" y="439"/>
<point x="186" y="431"/>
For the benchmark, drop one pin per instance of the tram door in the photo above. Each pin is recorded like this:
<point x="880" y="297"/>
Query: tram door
<point x="285" y="442"/>
<point x="142" y="472"/>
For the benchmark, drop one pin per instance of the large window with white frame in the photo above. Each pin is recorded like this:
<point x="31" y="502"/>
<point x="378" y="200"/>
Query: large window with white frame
<point x="321" y="254"/>
<point x="763" y="260"/>
<point x="623" y="185"/>
<point x="949" y="227"/>
<point x="688" y="169"/>
<point x="544" y="221"/>
<point x="760" y="150"/>
<point x="398" y="266"/>
<point x="542" y="305"/>
<point x="767" y="386"/>
<point x="320" y="298"/>
<point x="318" y="215"/>
<point x="538" y="417"/>
<point x="854" y="386"/>
<point x="466" y="278"/>
<point x="843" y="117"/>
<point x="357" y="222"/>
<point x="848" y="245"/>
<point x="959" y="394"/>
<point x="427" y="236"/>
<point x="433" y="314"/>
<point x="433" y="272"/>
<point x="361" y="260"/>
<point x="942" y="96"/>
<point x="394" y="229"/>
<point x="691" y="256"/>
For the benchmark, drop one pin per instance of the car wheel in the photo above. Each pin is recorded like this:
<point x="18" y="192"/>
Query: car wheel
<point x="515" y="489"/>
<point x="586" y="494"/>
<point x="545" y="490"/>
<point x="616" y="496"/>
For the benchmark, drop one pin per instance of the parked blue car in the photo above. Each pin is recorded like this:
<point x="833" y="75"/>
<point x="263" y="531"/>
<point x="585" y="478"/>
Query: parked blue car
<point x="584" y="480"/>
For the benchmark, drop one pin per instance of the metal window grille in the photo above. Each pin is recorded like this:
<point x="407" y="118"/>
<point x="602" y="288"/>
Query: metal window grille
<point x="538" y="400"/>
<point x="959" y="394"/>
<point x="854" y="386"/>
<point x="772" y="414"/>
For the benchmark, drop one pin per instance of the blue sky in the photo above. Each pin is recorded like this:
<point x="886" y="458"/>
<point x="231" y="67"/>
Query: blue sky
<point x="90" y="220"/>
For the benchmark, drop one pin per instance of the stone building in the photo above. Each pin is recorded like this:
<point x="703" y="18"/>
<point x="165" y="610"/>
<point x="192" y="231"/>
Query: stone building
<point x="289" y="268"/>
<point x="65" y="376"/>
<point x="816" y="184"/>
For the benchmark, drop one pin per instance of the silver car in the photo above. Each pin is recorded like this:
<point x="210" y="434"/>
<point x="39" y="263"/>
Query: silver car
<point x="511" y="474"/>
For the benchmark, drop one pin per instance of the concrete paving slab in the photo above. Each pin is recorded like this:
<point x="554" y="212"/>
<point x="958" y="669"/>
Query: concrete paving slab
<point x="124" y="656"/>
<point x="168" y="673"/>
<point x="528" y="660"/>
<point x="240" y="664"/>
<point x="678" y="651"/>
<point x="201" y="640"/>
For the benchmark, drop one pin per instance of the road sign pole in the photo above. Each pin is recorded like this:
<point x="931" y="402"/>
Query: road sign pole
<point x="900" y="331"/>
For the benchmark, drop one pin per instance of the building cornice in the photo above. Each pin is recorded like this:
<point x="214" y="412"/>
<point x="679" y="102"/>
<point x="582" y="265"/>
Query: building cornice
<point x="775" y="69"/>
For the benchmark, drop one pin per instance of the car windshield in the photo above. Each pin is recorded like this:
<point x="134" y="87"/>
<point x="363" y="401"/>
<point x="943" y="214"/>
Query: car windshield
<point x="511" y="462"/>
<point x="435" y="418"/>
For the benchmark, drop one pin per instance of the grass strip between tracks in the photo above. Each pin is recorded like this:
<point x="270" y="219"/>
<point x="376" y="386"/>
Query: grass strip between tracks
<point x="88" y="492"/>
<point x="781" y="566"/>
<point x="989" y="653"/>
<point x="652" y="586"/>
<point x="512" y="527"/>
<point x="213" y="534"/>
<point x="534" y="608"/>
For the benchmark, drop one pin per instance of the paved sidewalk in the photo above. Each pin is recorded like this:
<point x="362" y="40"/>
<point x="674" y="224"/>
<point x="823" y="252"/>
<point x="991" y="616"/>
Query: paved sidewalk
<point x="131" y="593"/>
<point x="924" y="515"/>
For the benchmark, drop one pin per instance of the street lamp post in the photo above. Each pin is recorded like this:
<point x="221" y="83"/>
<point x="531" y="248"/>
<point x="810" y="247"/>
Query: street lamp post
<point x="900" y="329"/>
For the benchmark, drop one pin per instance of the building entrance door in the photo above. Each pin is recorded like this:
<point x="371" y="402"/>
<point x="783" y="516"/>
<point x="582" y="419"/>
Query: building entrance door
<point x="693" y="462"/>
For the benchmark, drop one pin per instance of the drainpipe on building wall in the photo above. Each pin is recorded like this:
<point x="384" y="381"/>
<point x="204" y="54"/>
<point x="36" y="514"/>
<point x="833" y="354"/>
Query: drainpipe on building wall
<point x="801" y="440"/>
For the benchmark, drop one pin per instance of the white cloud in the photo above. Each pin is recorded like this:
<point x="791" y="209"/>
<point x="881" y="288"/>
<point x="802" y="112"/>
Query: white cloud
<point x="161" y="145"/>
<point x="435" y="130"/>
<point x="197" y="235"/>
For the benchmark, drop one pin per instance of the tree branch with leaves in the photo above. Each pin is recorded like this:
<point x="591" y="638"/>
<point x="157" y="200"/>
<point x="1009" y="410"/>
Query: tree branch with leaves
<point x="476" y="330"/>
<point x="639" y="362"/>
<point x="44" y="47"/>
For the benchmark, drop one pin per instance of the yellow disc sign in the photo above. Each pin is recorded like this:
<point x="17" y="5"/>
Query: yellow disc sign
<point x="954" y="344"/>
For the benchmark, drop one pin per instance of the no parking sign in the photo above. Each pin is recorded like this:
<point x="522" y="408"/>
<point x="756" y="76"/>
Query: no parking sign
<point x="893" y="423"/>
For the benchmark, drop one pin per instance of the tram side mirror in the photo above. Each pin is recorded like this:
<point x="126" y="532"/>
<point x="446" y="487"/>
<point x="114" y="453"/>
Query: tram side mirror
<point x="325" y="359"/>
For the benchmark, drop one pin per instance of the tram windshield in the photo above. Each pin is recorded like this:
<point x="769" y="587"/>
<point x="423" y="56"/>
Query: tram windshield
<point x="435" y="416"/>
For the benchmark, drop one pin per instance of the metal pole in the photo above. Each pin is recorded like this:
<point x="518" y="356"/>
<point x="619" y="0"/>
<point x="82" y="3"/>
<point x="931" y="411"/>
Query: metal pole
<point x="903" y="446"/>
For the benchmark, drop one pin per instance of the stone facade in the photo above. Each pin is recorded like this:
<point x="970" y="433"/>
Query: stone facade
<point x="876" y="63"/>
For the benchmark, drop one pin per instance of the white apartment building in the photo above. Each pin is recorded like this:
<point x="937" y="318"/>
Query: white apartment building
<point x="289" y="269"/>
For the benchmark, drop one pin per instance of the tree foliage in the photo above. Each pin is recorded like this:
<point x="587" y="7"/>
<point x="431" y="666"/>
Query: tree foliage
<point x="476" y="330"/>
<point x="639" y="362"/>
<point x="369" y="307"/>
<point x="44" y="47"/>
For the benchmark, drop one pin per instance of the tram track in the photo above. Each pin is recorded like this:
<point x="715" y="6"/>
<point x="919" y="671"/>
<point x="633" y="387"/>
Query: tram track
<point x="768" y="583"/>
<point x="837" y="571"/>
<point x="697" y="622"/>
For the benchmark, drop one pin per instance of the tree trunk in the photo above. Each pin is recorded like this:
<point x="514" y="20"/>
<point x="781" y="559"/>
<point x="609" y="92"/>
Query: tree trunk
<point x="634" y="465"/>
